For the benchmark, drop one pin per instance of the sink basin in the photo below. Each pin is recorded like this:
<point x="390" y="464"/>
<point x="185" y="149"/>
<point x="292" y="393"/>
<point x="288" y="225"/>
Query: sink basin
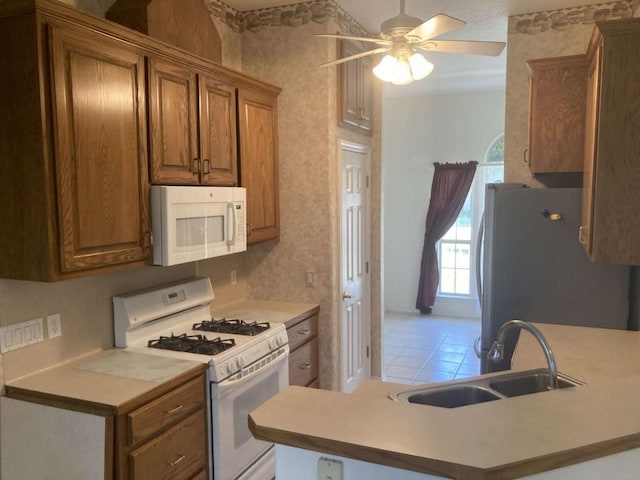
<point x="483" y="389"/>
<point x="533" y="382"/>
<point x="452" y="397"/>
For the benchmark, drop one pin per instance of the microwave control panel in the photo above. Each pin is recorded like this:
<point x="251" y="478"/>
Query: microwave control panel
<point x="240" y="228"/>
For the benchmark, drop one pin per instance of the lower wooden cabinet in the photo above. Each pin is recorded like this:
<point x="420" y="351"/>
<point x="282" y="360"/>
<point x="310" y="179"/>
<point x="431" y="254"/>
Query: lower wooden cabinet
<point x="303" y="347"/>
<point x="161" y="434"/>
<point x="164" y="437"/>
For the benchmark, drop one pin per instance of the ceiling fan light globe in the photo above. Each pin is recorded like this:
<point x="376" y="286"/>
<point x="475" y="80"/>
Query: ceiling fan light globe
<point x="386" y="68"/>
<point x="420" y="66"/>
<point x="402" y="72"/>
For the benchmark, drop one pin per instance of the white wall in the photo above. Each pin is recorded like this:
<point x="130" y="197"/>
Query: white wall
<point x="416" y="132"/>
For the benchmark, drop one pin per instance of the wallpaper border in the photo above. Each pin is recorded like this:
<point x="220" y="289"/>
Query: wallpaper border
<point x="294" y="15"/>
<point x="564" y="18"/>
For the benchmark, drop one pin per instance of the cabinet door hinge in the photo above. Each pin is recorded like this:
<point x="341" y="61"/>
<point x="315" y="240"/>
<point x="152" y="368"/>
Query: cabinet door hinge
<point x="151" y="237"/>
<point x="367" y="181"/>
<point x="366" y="267"/>
<point x="367" y="351"/>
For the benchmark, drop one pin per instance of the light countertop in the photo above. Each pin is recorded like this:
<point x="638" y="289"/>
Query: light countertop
<point x="502" y="439"/>
<point x="102" y="382"/>
<point x="267" y="311"/>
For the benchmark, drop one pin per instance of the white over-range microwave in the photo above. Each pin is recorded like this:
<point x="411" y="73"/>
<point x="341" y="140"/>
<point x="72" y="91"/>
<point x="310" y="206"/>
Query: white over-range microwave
<point x="195" y="223"/>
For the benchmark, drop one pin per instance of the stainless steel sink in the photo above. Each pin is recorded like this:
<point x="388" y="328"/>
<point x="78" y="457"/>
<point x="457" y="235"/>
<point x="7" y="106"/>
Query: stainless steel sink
<point x="534" y="382"/>
<point x="483" y="389"/>
<point x="452" y="397"/>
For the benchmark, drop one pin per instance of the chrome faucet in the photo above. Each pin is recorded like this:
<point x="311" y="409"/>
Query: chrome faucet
<point x="496" y="353"/>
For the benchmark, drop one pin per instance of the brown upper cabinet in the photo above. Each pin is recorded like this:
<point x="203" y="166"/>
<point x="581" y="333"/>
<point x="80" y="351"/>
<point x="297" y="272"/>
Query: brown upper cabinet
<point x="73" y="150"/>
<point x="192" y="127"/>
<point x="557" y="98"/>
<point x="258" y="130"/>
<point x="92" y="113"/>
<point x="355" y="92"/>
<point x="611" y="190"/>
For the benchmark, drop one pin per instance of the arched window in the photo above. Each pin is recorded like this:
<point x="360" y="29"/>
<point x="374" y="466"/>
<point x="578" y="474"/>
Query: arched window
<point x="456" y="250"/>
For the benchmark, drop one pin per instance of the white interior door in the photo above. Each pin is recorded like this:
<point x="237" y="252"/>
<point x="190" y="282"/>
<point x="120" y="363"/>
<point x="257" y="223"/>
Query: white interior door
<point x="356" y="318"/>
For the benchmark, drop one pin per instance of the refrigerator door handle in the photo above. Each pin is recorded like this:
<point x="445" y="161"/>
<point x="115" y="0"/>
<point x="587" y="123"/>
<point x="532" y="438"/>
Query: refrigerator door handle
<point x="477" y="344"/>
<point x="479" y="258"/>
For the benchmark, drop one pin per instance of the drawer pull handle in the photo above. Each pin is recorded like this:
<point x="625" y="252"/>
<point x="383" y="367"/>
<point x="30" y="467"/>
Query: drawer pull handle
<point x="179" y="459"/>
<point x="305" y="331"/>
<point x="175" y="409"/>
<point x="304" y="366"/>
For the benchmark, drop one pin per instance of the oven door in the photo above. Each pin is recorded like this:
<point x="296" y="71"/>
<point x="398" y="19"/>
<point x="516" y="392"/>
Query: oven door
<point x="234" y="448"/>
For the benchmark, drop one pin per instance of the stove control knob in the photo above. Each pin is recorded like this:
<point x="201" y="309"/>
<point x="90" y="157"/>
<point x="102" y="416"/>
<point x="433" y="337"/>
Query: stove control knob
<point x="240" y="362"/>
<point x="272" y="344"/>
<point x="280" y="340"/>
<point x="232" y="366"/>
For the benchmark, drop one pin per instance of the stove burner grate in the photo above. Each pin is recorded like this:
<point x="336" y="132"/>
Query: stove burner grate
<point x="232" y="326"/>
<point x="192" y="344"/>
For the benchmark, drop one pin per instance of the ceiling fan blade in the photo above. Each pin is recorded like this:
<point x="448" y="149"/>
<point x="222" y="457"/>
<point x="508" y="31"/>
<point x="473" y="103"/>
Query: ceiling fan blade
<point x="463" y="46"/>
<point x="358" y="55"/>
<point x="379" y="41"/>
<point x="436" y="25"/>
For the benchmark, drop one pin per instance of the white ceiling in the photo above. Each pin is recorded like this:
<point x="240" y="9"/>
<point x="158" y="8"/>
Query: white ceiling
<point x="486" y="20"/>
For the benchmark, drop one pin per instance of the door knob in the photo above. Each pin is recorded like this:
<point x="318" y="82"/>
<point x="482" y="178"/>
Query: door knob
<point x="346" y="296"/>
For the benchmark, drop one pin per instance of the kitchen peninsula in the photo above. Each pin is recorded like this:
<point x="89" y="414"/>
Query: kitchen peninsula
<point x="509" y="438"/>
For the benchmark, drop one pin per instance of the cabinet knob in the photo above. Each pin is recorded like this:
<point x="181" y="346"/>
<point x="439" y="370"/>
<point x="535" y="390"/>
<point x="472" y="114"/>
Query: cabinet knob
<point x="205" y="166"/>
<point x="304" y="366"/>
<point x="249" y="229"/>
<point x="525" y="158"/>
<point x="346" y="296"/>
<point x="196" y="165"/>
<point x="305" y="332"/>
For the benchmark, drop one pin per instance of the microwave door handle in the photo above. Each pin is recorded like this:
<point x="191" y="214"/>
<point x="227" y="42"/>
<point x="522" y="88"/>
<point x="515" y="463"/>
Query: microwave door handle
<point x="231" y="217"/>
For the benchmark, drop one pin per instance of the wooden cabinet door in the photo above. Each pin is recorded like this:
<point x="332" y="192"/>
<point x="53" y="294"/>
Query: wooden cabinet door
<point x="349" y="92"/>
<point x="218" y="144"/>
<point x="590" y="135"/>
<point x="173" y="110"/>
<point x="556" y="114"/>
<point x="257" y="113"/>
<point x="100" y="150"/>
<point x="366" y="93"/>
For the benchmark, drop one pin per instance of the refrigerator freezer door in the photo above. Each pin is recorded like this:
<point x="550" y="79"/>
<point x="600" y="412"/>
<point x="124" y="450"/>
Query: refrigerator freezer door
<point x="535" y="270"/>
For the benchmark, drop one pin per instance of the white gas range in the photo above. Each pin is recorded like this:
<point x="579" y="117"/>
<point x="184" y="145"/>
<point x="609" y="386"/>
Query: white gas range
<point x="246" y="367"/>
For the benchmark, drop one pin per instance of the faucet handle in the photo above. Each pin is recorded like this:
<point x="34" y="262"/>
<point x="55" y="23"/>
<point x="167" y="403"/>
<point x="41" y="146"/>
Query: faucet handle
<point x="496" y="352"/>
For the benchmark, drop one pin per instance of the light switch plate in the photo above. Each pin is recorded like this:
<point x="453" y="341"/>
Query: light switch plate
<point x="20" y="335"/>
<point x="329" y="469"/>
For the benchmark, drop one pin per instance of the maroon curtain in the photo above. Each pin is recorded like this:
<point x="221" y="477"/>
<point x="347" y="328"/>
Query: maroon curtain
<point x="451" y="183"/>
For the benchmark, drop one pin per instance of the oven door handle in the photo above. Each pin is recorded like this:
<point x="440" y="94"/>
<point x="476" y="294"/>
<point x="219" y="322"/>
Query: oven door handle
<point x="227" y="385"/>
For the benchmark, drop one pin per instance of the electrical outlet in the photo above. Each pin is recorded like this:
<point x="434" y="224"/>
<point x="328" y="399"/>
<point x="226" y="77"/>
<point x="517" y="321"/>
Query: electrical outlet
<point x="329" y="469"/>
<point x="234" y="277"/>
<point x="54" y="325"/>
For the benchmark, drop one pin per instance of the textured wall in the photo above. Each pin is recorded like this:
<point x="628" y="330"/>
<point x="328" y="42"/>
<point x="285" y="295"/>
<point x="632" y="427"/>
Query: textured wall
<point x="308" y="140"/>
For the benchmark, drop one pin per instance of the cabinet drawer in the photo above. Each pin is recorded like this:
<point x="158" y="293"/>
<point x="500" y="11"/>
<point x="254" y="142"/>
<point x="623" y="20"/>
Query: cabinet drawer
<point x="302" y="332"/>
<point x="165" y="410"/>
<point x="303" y="364"/>
<point x="179" y="453"/>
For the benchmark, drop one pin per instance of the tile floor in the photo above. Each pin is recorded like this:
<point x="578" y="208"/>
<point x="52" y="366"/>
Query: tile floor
<point x="428" y="348"/>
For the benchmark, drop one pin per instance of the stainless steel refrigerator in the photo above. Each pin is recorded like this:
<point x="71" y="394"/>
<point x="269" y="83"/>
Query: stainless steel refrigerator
<point x="534" y="268"/>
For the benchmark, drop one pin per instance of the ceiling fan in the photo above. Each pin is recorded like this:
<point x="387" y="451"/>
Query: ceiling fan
<point x="405" y="37"/>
